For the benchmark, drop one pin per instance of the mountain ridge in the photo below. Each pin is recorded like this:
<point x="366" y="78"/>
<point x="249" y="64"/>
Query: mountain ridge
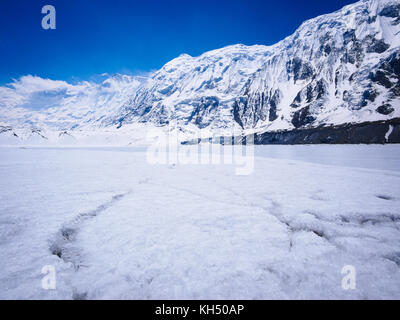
<point x="337" y="68"/>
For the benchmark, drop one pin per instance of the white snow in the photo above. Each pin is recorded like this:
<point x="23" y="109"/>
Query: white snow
<point x="128" y="229"/>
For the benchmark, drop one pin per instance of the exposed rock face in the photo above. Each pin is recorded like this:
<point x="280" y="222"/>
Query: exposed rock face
<point x="385" y="109"/>
<point x="302" y="117"/>
<point x="377" y="132"/>
<point x="368" y="133"/>
<point x="388" y="74"/>
<point x="391" y="11"/>
<point x="7" y="130"/>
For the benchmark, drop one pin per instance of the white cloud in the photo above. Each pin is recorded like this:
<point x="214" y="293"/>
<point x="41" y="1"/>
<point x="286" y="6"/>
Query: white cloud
<point x="30" y="84"/>
<point x="32" y="97"/>
<point x="23" y="90"/>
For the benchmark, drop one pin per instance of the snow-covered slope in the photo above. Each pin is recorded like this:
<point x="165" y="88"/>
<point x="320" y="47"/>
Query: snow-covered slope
<point x="199" y="90"/>
<point x="338" y="68"/>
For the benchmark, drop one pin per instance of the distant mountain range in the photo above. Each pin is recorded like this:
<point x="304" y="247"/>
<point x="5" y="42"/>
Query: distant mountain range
<point x="339" y="70"/>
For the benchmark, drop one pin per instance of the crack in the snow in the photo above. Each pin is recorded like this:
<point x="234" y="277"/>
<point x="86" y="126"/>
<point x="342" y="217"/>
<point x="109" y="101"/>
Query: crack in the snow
<point x="362" y="219"/>
<point x="384" y="197"/>
<point x="274" y="211"/>
<point x="62" y="245"/>
<point x="394" y="257"/>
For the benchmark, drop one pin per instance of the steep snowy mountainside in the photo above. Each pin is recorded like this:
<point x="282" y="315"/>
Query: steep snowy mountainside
<point x="197" y="90"/>
<point x="329" y="71"/>
<point x="337" y="68"/>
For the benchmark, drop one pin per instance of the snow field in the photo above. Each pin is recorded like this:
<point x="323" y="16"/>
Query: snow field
<point x="116" y="227"/>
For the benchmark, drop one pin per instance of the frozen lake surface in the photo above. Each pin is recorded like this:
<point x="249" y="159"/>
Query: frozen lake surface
<point x="380" y="157"/>
<point x="116" y="227"/>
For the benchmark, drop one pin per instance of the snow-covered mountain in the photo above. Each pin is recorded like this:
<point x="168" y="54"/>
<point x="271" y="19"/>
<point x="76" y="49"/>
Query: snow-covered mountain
<point x="342" y="67"/>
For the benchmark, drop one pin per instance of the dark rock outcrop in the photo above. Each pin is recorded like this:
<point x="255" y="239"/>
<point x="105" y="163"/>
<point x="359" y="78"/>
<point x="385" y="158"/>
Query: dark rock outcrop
<point x="361" y="133"/>
<point x="300" y="70"/>
<point x="377" y="132"/>
<point x="302" y="117"/>
<point x="391" y="11"/>
<point x="385" y="109"/>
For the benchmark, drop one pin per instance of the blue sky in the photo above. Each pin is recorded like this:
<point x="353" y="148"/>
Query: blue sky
<point x="130" y="36"/>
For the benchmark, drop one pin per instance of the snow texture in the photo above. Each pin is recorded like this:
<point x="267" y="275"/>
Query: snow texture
<point x="116" y="227"/>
